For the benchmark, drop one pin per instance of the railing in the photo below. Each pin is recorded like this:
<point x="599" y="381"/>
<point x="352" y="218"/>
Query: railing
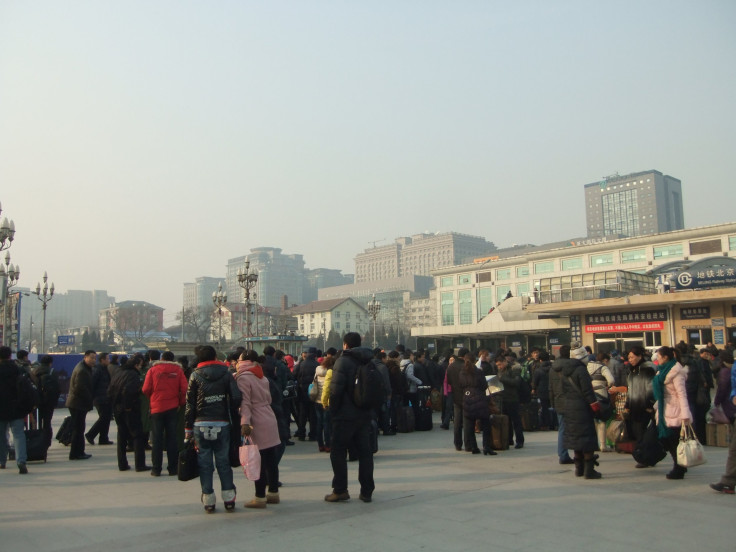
<point x="596" y="291"/>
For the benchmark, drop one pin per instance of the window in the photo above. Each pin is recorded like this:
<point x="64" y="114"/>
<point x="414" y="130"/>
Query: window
<point x="732" y="243"/>
<point x="668" y="251"/>
<point x="601" y="260"/>
<point x="337" y="325"/>
<point x="484" y="277"/>
<point x="522" y="271"/>
<point x="522" y="289"/>
<point x="543" y="267"/>
<point x="465" y="307"/>
<point x="347" y="326"/>
<point x="485" y="301"/>
<point x="463" y="279"/>
<point x="503" y="274"/>
<point x="502" y="292"/>
<point x="633" y="256"/>
<point x="572" y="264"/>
<point x="337" y="314"/>
<point x="446" y="281"/>
<point x="347" y="316"/>
<point x="448" y="308"/>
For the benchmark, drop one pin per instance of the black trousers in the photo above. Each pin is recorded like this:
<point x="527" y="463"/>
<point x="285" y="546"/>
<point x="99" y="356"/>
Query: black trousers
<point x="130" y="430"/>
<point x="511" y="409"/>
<point x="356" y="435"/>
<point x="44" y="423"/>
<point x="163" y="429"/>
<point x="102" y="426"/>
<point x="269" y="471"/>
<point x="306" y="414"/>
<point x="76" y="448"/>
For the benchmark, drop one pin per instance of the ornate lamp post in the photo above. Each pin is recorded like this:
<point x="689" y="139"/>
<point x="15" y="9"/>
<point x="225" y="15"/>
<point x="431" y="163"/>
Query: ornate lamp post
<point x="9" y="276"/>
<point x="44" y="295"/>
<point x="374" y="308"/>
<point x="7" y="232"/>
<point x="247" y="280"/>
<point x="219" y="298"/>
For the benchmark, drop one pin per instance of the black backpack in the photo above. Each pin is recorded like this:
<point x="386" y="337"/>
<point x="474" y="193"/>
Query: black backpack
<point x="26" y="394"/>
<point x="368" y="388"/>
<point x="48" y="390"/>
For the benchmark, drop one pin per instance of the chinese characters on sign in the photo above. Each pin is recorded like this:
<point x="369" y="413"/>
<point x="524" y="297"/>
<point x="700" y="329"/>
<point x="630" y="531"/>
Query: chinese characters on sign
<point x="694" y="313"/>
<point x="619" y="317"/>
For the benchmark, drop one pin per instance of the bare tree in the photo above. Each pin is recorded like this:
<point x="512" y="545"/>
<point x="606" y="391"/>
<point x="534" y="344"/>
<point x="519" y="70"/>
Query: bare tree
<point x="196" y="324"/>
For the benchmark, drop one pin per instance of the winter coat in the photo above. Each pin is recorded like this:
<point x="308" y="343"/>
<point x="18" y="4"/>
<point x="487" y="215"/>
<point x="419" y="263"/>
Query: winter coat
<point x="211" y="394"/>
<point x="304" y="373"/>
<point x="601" y="378"/>
<point x="639" y="395"/>
<point x="342" y="407"/>
<point x="676" y="407"/>
<point x="396" y="377"/>
<point x="540" y="380"/>
<point x="80" y="388"/>
<point x="453" y="380"/>
<point x="319" y="375"/>
<point x="255" y="405"/>
<point x="580" y="434"/>
<point x="9" y="374"/>
<point x="474" y="381"/>
<point x="124" y="391"/>
<point x="618" y="370"/>
<point x="725" y="391"/>
<point x="511" y="379"/>
<point x="166" y="386"/>
<point x="422" y="374"/>
<point x="408" y="368"/>
<point x="325" y="398"/>
<point x="100" y="382"/>
<point x="49" y="388"/>
<point x="385" y="380"/>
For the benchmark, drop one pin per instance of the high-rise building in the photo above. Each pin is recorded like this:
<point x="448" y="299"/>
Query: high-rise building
<point x="278" y="275"/>
<point x="318" y="278"/>
<point x="418" y="255"/>
<point x="636" y="204"/>
<point x="198" y="294"/>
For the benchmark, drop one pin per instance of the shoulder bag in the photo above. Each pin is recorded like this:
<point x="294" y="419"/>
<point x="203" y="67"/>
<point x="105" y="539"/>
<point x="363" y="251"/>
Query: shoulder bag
<point x="689" y="451"/>
<point x="605" y="411"/>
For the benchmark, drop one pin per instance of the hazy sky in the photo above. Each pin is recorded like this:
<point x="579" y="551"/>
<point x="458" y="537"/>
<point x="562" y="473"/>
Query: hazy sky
<point x="142" y="144"/>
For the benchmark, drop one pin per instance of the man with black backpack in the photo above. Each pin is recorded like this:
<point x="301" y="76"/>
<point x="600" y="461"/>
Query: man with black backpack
<point x="355" y="390"/>
<point x="49" y="391"/>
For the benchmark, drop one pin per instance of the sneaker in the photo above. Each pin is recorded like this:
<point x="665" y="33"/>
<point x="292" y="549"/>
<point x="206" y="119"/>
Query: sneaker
<point x="722" y="488"/>
<point x="337" y="497"/>
<point x="23" y="469"/>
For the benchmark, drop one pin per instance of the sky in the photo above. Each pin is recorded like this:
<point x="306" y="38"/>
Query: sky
<point x="143" y="144"/>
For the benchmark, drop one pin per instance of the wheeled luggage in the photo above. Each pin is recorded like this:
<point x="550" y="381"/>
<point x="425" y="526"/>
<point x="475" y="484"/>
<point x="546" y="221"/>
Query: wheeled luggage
<point x="423" y="417"/>
<point x="500" y="431"/>
<point x="530" y="415"/>
<point x="64" y="435"/>
<point x="404" y="419"/>
<point x="36" y="447"/>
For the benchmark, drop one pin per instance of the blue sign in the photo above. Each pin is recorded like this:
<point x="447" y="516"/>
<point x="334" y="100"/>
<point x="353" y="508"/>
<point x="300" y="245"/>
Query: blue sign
<point x="65" y="340"/>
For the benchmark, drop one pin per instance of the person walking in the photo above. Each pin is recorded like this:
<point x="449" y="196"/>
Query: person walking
<point x="49" y="391"/>
<point x="210" y="393"/>
<point x="17" y="397"/>
<point x="100" y="383"/>
<point x="726" y="399"/>
<point x="79" y="401"/>
<point x="351" y="425"/>
<point x="166" y="388"/>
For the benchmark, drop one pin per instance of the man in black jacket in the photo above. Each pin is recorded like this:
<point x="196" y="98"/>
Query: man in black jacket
<point x="11" y="412"/>
<point x="79" y="401"/>
<point x="453" y="379"/>
<point x="125" y="400"/>
<point x="100" y="383"/>
<point x="304" y="375"/>
<point x="350" y="425"/>
<point x="49" y="390"/>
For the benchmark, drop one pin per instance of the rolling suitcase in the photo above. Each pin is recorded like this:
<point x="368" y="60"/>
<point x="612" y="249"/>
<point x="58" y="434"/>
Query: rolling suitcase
<point x="530" y="415"/>
<point x="423" y="419"/>
<point x="500" y="431"/>
<point x="36" y="447"/>
<point x="404" y="419"/>
<point x="64" y="435"/>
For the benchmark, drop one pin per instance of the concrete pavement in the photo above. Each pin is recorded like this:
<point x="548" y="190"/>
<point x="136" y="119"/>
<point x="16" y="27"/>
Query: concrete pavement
<point x="428" y="497"/>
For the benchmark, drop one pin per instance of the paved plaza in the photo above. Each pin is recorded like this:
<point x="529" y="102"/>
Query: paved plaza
<point x="428" y="498"/>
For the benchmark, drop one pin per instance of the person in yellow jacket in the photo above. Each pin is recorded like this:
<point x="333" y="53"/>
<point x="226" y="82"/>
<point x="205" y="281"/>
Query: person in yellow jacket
<point x="323" y="376"/>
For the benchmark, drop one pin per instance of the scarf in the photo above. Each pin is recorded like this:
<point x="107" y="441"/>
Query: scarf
<point x="249" y="366"/>
<point x="658" y="390"/>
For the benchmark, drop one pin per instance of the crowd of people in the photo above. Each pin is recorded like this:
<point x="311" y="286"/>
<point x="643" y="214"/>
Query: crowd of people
<point x="342" y="400"/>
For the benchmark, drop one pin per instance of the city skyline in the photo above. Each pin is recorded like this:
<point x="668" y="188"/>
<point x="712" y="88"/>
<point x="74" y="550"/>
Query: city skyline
<point x="143" y="146"/>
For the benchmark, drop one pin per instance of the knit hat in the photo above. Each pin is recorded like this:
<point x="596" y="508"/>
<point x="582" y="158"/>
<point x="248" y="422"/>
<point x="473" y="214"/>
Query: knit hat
<point x="578" y="351"/>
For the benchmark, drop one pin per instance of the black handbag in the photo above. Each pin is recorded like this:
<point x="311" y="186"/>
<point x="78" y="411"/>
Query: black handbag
<point x="188" y="467"/>
<point x="476" y="404"/>
<point x="649" y="451"/>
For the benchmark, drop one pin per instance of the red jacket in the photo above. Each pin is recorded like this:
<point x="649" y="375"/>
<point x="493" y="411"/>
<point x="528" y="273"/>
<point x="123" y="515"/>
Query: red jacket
<point x="166" y="386"/>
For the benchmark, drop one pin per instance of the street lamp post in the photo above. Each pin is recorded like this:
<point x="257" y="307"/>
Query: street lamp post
<point x="219" y="298"/>
<point x="247" y="280"/>
<point x="9" y="276"/>
<point x="374" y="308"/>
<point x="44" y="295"/>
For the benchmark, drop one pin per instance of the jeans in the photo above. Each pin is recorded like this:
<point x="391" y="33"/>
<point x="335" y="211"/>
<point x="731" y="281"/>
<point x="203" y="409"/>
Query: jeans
<point x="76" y="448"/>
<point x="562" y="452"/>
<point x="214" y="442"/>
<point x="355" y="434"/>
<point x="19" y="440"/>
<point x="323" y="429"/>
<point x="164" y="422"/>
<point x="102" y="426"/>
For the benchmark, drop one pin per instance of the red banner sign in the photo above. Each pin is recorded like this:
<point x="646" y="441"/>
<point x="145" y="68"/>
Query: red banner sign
<point x="631" y="327"/>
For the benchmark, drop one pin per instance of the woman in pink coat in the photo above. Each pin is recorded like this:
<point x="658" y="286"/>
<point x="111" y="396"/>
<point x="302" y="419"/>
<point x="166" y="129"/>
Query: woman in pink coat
<point x="258" y="421"/>
<point x="671" y="408"/>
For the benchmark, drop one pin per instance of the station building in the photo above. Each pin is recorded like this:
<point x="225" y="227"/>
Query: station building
<point x="606" y="293"/>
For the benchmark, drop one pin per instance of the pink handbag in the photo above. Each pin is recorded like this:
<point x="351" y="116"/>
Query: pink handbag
<point x="250" y="459"/>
